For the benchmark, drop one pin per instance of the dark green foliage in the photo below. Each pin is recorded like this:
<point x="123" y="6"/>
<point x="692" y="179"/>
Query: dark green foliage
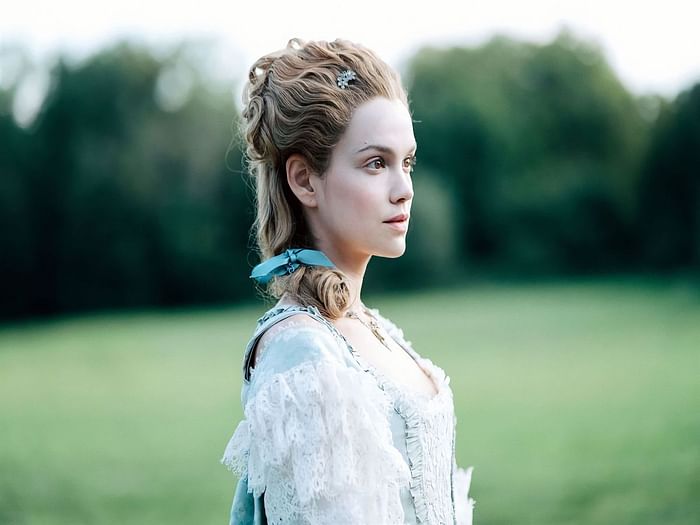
<point x="16" y="239"/>
<point x="539" y="145"/>
<point x="670" y="196"/>
<point x="533" y="159"/>
<point x="113" y="201"/>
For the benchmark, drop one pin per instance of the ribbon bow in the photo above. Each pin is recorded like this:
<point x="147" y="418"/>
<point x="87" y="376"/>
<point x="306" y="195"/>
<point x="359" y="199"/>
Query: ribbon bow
<point x="287" y="262"/>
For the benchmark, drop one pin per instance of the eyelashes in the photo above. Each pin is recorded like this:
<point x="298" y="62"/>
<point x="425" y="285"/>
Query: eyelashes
<point x="412" y="160"/>
<point x="376" y="164"/>
<point x="379" y="163"/>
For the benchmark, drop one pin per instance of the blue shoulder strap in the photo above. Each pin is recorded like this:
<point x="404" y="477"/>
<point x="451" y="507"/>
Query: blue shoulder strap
<point x="270" y="319"/>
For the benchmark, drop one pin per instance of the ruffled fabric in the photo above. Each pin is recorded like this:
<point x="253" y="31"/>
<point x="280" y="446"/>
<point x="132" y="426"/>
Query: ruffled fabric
<point x="317" y="436"/>
<point x="429" y="424"/>
<point x="236" y="453"/>
<point x="430" y="428"/>
<point x="464" y="505"/>
<point x="316" y="441"/>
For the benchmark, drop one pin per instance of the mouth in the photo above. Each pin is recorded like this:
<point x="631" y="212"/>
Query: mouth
<point x="399" y="222"/>
<point x="397" y="219"/>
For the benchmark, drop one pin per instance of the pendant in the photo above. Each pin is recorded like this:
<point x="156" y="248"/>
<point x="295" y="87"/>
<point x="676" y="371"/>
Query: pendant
<point x="373" y="327"/>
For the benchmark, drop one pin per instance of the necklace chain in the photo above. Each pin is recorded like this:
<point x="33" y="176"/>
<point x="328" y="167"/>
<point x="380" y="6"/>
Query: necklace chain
<point x="373" y="326"/>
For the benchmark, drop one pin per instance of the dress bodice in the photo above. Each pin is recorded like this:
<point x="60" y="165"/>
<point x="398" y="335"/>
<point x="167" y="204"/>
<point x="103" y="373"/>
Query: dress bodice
<point x="406" y="439"/>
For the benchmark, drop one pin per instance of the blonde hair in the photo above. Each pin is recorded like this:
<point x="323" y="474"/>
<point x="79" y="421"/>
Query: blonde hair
<point x="293" y="105"/>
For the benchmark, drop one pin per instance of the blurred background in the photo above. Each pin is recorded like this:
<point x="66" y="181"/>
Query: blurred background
<point x="553" y="262"/>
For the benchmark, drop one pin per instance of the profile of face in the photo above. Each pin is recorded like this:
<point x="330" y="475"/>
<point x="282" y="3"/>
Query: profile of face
<point x="361" y="205"/>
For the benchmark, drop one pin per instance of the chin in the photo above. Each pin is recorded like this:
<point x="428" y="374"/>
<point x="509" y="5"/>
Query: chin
<point x="392" y="252"/>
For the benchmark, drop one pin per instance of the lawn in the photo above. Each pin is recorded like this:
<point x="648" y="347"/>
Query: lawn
<point x="578" y="403"/>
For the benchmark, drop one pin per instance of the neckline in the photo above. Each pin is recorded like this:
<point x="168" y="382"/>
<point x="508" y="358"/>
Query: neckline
<point x="385" y="382"/>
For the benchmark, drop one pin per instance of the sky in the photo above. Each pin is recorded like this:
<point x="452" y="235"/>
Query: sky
<point x="653" y="46"/>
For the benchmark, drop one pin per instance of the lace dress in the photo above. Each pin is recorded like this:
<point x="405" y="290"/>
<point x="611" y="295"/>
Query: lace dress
<point x="327" y="438"/>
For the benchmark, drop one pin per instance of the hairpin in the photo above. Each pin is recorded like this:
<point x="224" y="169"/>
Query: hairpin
<point x="345" y="77"/>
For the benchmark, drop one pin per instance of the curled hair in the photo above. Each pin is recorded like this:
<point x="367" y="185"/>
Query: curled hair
<point x="292" y="105"/>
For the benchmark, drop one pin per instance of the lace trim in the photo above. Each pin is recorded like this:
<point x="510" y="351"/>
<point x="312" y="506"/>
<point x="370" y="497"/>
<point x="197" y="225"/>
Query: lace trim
<point x="290" y="322"/>
<point x="430" y="424"/>
<point x="283" y="332"/>
<point x="236" y="454"/>
<point x="430" y="431"/>
<point x="316" y="439"/>
<point x="464" y="505"/>
<point x="429" y="437"/>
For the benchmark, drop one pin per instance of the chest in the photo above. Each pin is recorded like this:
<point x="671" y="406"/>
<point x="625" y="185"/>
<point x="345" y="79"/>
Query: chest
<point x="389" y="358"/>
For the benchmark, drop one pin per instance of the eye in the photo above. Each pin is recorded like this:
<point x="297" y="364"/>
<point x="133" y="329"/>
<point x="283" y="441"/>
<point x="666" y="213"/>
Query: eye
<point x="376" y="164"/>
<point x="409" y="163"/>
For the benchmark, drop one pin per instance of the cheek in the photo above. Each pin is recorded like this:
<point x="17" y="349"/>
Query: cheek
<point x="364" y="209"/>
<point x="364" y="200"/>
<point x="356" y="199"/>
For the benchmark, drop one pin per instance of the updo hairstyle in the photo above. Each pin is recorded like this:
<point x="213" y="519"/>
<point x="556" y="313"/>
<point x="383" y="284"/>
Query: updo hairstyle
<point x="293" y="105"/>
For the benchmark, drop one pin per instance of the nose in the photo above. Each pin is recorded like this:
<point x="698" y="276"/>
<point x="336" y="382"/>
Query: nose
<point x="402" y="186"/>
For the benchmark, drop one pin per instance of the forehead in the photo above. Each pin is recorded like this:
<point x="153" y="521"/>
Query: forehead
<point x="379" y="121"/>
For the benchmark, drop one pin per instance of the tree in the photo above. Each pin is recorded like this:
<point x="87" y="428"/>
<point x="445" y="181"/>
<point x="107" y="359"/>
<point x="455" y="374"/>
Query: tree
<point x="129" y="200"/>
<point x="539" y="145"/>
<point x="670" y="196"/>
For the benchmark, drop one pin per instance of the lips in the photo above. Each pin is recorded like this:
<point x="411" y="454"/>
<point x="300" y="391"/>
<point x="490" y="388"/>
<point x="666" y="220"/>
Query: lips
<point x="397" y="218"/>
<point x="398" y="223"/>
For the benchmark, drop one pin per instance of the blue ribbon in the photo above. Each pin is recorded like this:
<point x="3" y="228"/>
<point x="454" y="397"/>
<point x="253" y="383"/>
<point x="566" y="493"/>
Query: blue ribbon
<point x="287" y="262"/>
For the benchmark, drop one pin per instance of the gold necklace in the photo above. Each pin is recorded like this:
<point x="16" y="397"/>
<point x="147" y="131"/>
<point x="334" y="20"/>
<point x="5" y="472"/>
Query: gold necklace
<point x="373" y="326"/>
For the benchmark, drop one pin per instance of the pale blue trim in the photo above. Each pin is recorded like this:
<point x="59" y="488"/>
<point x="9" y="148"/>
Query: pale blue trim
<point x="287" y="262"/>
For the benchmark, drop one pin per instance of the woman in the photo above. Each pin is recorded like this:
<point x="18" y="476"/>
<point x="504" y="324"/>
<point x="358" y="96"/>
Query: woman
<point x="344" y="421"/>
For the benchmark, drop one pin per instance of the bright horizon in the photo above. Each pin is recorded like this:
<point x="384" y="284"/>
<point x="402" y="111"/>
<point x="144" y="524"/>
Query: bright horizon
<point x="663" y="64"/>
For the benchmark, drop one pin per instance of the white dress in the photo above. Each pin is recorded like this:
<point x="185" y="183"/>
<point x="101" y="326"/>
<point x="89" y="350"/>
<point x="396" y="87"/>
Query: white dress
<point x="329" y="439"/>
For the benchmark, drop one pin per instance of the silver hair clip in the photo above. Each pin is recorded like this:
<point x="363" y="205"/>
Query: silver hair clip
<point x="345" y="77"/>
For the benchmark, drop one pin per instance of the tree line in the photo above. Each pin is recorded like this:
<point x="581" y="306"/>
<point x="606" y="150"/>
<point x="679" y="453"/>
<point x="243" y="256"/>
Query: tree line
<point x="129" y="187"/>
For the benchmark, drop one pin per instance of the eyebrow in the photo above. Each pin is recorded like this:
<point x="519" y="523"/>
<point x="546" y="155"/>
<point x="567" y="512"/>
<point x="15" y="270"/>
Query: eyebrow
<point x="383" y="149"/>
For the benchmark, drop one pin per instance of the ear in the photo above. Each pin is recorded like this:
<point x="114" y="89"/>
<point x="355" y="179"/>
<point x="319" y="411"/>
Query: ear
<point x="300" y="179"/>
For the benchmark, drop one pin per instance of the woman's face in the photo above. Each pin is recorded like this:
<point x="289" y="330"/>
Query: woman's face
<point x="364" y="197"/>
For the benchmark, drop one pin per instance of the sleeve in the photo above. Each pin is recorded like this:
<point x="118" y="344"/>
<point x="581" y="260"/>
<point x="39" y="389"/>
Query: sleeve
<point x="464" y="505"/>
<point x="316" y="439"/>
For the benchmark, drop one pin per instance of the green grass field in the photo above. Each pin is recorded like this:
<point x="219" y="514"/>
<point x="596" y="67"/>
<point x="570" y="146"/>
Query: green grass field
<point x="577" y="404"/>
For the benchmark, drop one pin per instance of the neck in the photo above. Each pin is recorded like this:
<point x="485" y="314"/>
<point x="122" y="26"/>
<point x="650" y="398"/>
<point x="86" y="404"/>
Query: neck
<point x="354" y="270"/>
<point x="354" y="267"/>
